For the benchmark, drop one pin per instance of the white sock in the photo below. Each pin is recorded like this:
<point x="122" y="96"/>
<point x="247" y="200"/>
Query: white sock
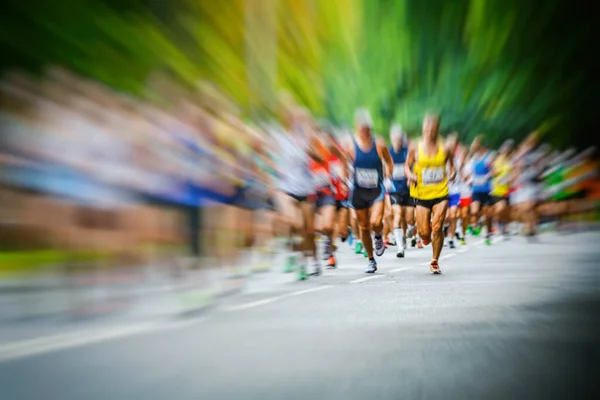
<point x="399" y="235"/>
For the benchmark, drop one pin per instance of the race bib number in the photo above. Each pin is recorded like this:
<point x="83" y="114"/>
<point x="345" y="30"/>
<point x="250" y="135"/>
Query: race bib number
<point x="321" y="179"/>
<point x="398" y="172"/>
<point x="432" y="176"/>
<point x="503" y="180"/>
<point x="367" y="178"/>
<point x="479" y="180"/>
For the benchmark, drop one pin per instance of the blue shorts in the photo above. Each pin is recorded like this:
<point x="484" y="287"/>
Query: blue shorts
<point x="454" y="200"/>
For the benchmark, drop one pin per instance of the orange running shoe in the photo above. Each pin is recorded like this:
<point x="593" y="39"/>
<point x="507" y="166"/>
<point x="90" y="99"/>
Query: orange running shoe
<point x="426" y="242"/>
<point x="434" y="267"/>
<point x="331" y="263"/>
<point x="419" y="244"/>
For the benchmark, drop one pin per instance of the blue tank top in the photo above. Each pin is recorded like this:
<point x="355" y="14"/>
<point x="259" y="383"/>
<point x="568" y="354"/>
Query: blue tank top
<point x="368" y="169"/>
<point x="398" y="176"/>
<point x="481" y="183"/>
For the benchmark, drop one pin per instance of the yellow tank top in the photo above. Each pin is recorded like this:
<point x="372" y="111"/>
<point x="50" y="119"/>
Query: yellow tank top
<point x="500" y="184"/>
<point x="432" y="182"/>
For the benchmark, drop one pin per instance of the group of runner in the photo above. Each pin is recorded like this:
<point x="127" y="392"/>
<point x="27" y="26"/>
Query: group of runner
<point x="356" y="188"/>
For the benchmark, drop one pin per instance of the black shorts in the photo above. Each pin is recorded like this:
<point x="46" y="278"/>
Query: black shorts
<point x="402" y="199"/>
<point x="324" y="200"/>
<point x="362" y="198"/>
<point x="497" y="199"/>
<point x="430" y="203"/>
<point x="301" y="199"/>
<point x="483" y="198"/>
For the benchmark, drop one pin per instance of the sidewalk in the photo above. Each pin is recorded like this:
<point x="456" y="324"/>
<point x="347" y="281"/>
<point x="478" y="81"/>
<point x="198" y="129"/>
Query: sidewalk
<point x="132" y="293"/>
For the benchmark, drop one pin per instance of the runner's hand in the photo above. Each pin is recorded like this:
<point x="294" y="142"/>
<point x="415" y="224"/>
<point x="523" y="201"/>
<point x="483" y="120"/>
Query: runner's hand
<point x="412" y="178"/>
<point x="452" y="176"/>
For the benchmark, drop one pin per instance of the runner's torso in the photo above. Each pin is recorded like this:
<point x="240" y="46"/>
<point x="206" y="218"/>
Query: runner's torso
<point x="500" y="182"/>
<point x="320" y="171"/>
<point x="455" y="187"/>
<point x="293" y="165"/>
<point x="336" y="167"/>
<point x="432" y="180"/>
<point x="481" y="170"/>
<point x="368" y="169"/>
<point x="398" y="176"/>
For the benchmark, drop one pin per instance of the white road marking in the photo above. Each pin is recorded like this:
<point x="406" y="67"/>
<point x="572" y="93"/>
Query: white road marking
<point x="47" y="344"/>
<point x="275" y="298"/>
<point x="401" y="269"/>
<point x="367" y="278"/>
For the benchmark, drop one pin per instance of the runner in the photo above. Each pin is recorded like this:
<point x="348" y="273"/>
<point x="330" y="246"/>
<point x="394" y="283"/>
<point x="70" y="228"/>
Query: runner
<point x="296" y="185"/>
<point x="482" y="171"/>
<point x="429" y="185"/>
<point x="526" y="188"/>
<point x="454" y="189"/>
<point x="403" y="206"/>
<point x="329" y="174"/>
<point x="369" y="192"/>
<point x="500" y="186"/>
<point x="466" y="174"/>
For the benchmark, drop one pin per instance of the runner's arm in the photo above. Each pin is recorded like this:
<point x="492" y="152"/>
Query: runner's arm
<point x="408" y="165"/>
<point x="384" y="153"/>
<point x="450" y="160"/>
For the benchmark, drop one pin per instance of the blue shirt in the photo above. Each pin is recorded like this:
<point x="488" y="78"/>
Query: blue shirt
<point x="368" y="169"/>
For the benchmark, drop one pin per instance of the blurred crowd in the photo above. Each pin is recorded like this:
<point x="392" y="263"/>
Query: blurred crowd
<point x="85" y="168"/>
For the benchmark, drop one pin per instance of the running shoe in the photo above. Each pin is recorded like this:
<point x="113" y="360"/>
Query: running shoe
<point x="420" y="243"/>
<point x="434" y="267"/>
<point x="488" y="240"/>
<point x="477" y="231"/>
<point x="331" y="263"/>
<point x="413" y="242"/>
<point x="451" y="244"/>
<point x="302" y="275"/>
<point x="463" y="241"/>
<point x="392" y="242"/>
<point x="385" y="243"/>
<point x="326" y="248"/>
<point x="358" y="248"/>
<point x="372" y="267"/>
<point x="289" y="266"/>
<point x="469" y="230"/>
<point x="379" y="246"/>
<point x="316" y="269"/>
<point x="400" y="253"/>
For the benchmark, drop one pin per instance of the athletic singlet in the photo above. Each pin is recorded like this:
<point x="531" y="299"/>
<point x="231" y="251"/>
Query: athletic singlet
<point x="293" y="163"/>
<point x="500" y="182"/>
<point x="336" y="168"/>
<point x="481" y="170"/>
<point x="320" y="171"/>
<point x="455" y="187"/>
<point x="432" y="180"/>
<point x="398" y="175"/>
<point x="368" y="169"/>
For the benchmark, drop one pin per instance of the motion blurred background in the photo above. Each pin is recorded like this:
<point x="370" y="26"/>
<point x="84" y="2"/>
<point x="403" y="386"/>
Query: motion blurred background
<point x="127" y="123"/>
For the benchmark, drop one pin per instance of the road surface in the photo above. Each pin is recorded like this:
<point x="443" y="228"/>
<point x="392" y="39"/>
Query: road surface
<point x="508" y="321"/>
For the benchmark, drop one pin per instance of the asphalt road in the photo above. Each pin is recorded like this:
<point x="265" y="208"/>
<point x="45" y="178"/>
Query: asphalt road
<point x="508" y="321"/>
